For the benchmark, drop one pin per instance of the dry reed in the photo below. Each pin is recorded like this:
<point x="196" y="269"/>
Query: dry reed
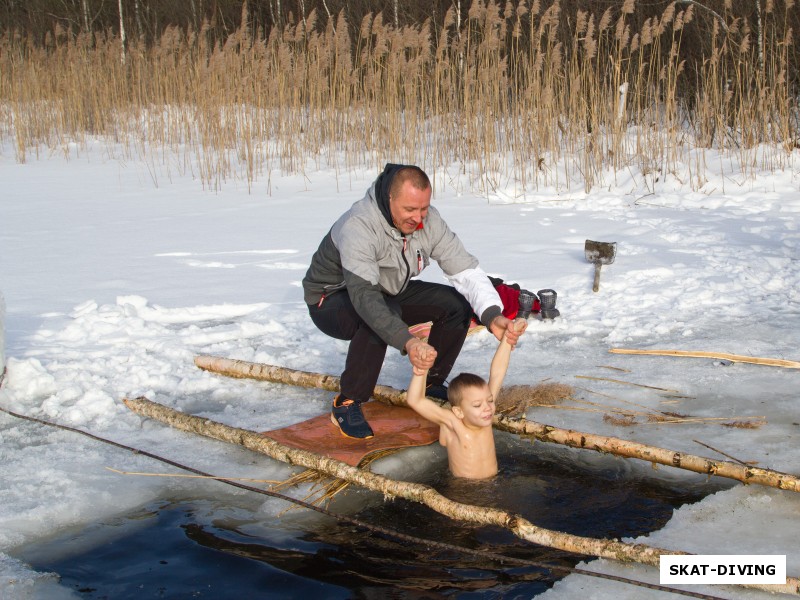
<point x="496" y="93"/>
<point x="513" y="400"/>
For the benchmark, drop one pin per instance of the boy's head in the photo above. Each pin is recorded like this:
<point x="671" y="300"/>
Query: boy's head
<point x="471" y="400"/>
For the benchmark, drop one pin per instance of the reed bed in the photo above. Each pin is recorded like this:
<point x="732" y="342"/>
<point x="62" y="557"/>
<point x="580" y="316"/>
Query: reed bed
<point x="499" y="95"/>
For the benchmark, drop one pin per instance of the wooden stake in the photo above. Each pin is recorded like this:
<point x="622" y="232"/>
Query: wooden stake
<point x="423" y="494"/>
<point x="772" y="362"/>
<point x="532" y="429"/>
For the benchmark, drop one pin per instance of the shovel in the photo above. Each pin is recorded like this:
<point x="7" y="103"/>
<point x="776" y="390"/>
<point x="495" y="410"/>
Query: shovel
<point x="599" y="253"/>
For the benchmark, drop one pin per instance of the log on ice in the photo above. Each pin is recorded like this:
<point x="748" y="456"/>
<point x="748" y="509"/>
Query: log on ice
<point x="546" y="433"/>
<point x="753" y="360"/>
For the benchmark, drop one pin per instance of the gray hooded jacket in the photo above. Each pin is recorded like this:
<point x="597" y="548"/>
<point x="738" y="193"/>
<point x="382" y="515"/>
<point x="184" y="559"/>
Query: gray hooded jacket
<point x="366" y="255"/>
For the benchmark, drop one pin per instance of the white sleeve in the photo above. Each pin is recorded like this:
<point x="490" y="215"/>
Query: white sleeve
<point x="476" y="287"/>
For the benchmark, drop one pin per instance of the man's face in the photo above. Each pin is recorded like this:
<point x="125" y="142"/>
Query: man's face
<point x="409" y="207"/>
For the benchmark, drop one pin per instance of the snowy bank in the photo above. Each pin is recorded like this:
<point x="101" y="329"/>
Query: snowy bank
<point x="2" y="333"/>
<point x="112" y="286"/>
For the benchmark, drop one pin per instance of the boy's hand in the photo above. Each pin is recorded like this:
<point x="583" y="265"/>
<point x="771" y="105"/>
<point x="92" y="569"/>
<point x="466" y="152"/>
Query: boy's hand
<point x="504" y="328"/>
<point x="421" y="355"/>
<point x="518" y="325"/>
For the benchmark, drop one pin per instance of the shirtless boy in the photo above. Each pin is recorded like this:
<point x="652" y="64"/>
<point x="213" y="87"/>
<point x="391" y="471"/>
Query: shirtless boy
<point x="465" y="428"/>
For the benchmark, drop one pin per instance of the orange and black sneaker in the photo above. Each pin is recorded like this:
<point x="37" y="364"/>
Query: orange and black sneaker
<point x="346" y="414"/>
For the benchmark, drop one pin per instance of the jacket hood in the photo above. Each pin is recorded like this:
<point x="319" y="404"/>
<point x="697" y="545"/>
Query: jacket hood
<point x="382" y="185"/>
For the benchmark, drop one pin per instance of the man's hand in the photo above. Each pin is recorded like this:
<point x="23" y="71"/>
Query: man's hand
<point x="421" y="355"/>
<point x="502" y="327"/>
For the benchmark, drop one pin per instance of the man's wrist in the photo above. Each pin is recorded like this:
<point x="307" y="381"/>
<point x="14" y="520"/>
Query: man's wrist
<point x="490" y="314"/>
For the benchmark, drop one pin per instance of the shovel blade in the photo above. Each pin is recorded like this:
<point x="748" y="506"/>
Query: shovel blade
<point x="600" y="253"/>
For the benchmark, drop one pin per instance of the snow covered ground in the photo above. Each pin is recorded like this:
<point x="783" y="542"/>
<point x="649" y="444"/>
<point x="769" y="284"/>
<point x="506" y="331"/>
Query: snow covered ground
<point x="115" y="276"/>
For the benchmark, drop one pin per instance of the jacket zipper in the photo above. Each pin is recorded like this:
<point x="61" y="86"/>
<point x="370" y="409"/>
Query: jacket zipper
<point x="405" y="260"/>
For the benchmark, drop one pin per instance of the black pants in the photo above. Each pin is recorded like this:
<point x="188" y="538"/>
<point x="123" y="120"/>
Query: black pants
<point x="420" y="302"/>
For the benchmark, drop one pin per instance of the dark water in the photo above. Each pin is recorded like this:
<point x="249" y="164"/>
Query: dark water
<point x="208" y="548"/>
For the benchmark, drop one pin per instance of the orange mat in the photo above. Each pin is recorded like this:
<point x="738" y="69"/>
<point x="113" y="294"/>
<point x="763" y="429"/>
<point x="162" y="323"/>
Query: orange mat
<point x="395" y="427"/>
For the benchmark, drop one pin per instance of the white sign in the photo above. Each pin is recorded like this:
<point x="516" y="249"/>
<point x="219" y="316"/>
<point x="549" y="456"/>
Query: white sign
<point x="723" y="568"/>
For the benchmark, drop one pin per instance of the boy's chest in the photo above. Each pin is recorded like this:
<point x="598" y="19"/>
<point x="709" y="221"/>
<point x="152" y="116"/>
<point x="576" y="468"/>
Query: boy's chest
<point x="469" y="445"/>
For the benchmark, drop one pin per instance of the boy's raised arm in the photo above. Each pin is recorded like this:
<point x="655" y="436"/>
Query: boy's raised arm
<point x="497" y="372"/>
<point x="415" y="396"/>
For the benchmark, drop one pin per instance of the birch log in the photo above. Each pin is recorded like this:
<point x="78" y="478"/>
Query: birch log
<point x="241" y="369"/>
<point x="531" y="429"/>
<point x="753" y="360"/>
<point x="628" y="449"/>
<point x="415" y="492"/>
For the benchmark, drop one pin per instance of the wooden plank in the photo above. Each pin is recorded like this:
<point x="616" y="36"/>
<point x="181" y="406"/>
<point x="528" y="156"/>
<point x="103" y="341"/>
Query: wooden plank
<point x="772" y="362"/>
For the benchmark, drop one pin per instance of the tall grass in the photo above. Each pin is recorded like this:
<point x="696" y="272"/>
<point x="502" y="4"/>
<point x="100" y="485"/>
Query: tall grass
<point x="502" y="97"/>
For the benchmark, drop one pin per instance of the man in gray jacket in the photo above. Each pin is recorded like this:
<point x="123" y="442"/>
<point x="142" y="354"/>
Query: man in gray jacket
<point x="360" y="287"/>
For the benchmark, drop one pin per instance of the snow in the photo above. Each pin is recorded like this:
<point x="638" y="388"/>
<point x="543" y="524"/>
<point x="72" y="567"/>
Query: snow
<point x="116" y="275"/>
<point x="2" y="333"/>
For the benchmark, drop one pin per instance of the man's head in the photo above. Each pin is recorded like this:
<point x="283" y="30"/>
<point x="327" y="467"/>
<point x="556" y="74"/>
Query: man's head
<point x="471" y="400"/>
<point x="409" y="198"/>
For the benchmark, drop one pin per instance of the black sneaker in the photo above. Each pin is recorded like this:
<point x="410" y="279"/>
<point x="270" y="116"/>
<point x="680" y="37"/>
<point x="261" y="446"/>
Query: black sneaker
<point x="350" y="420"/>
<point x="437" y="390"/>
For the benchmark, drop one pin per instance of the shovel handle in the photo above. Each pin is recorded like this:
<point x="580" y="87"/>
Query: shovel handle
<point x="596" y="286"/>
